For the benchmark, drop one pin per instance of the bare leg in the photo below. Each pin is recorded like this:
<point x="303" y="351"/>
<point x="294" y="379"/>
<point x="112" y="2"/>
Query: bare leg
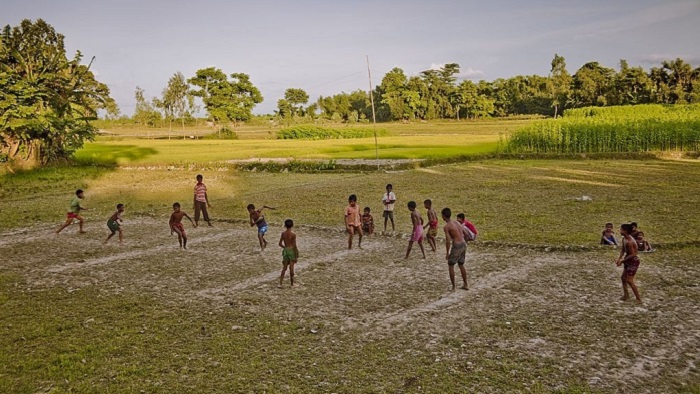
<point x="452" y="276"/>
<point x="260" y="240"/>
<point x="264" y="242"/>
<point x="433" y="245"/>
<point x="392" y="225"/>
<point x="291" y="272"/>
<point x="625" y="294"/>
<point x="110" y="236"/>
<point x="64" y="225"/>
<point x="386" y="219"/>
<point x="184" y="241"/>
<point x="630" y="281"/>
<point x="408" y="251"/>
<point x="284" y="270"/>
<point x="350" y="234"/>
<point x="80" y="223"/>
<point x="420" y="243"/>
<point x="463" y="271"/>
<point x="121" y="237"/>
<point x="359" y="242"/>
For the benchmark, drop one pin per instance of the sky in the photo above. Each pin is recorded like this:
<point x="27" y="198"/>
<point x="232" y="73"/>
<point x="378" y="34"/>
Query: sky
<point x="322" y="46"/>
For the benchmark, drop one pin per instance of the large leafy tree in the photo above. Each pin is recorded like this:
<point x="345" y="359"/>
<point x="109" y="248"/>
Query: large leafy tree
<point x="46" y="99"/>
<point x="226" y="100"/>
<point x="560" y="84"/>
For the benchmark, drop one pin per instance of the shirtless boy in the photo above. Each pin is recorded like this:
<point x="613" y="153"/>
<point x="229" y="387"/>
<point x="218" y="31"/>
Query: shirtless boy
<point x="629" y="259"/>
<point x="454" y="237"/>
<point x="417" y="233"/>
<point x="290" y="253"/>
<point x="258" y="219"/>
<point x="432" y="224"/>
<point x="113" y="223"/>
<point x="353" y="223"/>
<point x="176" y="225"/>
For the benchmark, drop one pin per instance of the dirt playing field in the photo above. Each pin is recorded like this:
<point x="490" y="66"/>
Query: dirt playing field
<point x="530" y="321"/>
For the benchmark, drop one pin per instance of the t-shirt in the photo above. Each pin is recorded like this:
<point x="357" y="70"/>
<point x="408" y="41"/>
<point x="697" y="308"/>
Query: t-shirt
<point x="389" y="197"/>
<point x="75" y="205"/>
<point x="352" y="215"/>
<point x="200" y="191"/>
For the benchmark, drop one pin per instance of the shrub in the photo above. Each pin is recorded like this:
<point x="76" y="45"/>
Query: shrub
<point x="311" y="132"/>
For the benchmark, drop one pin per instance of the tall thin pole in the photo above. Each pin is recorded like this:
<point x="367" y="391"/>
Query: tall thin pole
<point x="374" y="115"/>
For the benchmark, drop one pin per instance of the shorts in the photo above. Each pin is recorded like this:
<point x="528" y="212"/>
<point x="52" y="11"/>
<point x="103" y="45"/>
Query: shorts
<point x="262" y="230"/>
<point x="357" y="229"/>
<point x="366" y="228"/>
<point x="289" y="255"/>
<point x="631" y="265"/>
<point x="180" y="228"/>
<point x="71" y="215"/>
<point x="388" y="214"/>
<point x="432" y="232"/>
<point x="113" y="226"/>
<point x="457" y="254"/>
<point x="417" y="235"/>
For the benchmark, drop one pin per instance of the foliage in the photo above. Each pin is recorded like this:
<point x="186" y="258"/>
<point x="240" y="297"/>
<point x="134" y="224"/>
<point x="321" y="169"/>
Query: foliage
<point x="224" y="133"/>
<point x="311" y="132"/>
<point x="146" y="113"/>
<point x="613" y="129"/>
<point x="226" y="100"/>
<point x="46" y="100"/>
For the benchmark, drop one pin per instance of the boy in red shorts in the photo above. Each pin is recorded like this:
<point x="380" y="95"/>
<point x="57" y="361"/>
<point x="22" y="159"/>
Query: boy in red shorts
<point x="73" y="212"/>
<point x="176" y="225"/>
<point x="628" y="257"/>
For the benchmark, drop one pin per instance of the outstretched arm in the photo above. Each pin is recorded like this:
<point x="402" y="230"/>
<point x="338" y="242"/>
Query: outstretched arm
<point x="190" y="219"/>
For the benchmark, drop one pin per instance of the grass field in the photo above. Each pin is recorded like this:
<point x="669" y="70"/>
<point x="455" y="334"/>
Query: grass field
<point x="541" y="315"/>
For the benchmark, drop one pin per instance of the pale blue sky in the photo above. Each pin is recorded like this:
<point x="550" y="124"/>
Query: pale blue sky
<point x="320" y="46"/>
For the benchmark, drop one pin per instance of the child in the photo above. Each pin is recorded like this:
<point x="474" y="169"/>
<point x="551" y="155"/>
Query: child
<point x="432" y="224"/>
<point x="642" y="244"/>
<point x="290" y="253"/>
<point x="417" y="235"/>
<point x="258" y="219"/>
<point x="388" y="199"/>
<point x="352" y="221"/>
<point x="608" y="237"/>
<point x="634" y="230"/>
<point x="201" y="201"/>
<point x="367" y="222"/>
<point x="74" y="212"/>
<point x="113" y="223"/>
<point x="628" y="257"/>
<point x="472" y="233"/>
<point x="456" y="246"/>
<point x="176" y="225"/>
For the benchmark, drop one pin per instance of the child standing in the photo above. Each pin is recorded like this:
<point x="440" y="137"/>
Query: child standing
<point x="417" y="234"/>
<point x="74" y="212"/>
<point x="290" y="253"/>
<point x="367" y="222"/>
<point x="630" y="260"/>
<point x="176" y="225"/>
<point x="456" y="246"/>
<point x="432" y="224"/>
<point x="258" y="219"/>
<point x="353" y="223"/>
<point x="608" y="236"/>
<point x="113" y="223"/>
<point x="388" y="199"/>
<point x="201" y="201"/>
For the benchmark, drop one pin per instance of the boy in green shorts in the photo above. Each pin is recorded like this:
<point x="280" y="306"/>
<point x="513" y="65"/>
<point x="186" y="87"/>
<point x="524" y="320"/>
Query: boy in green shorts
<point x="113" y="223"/>
<point x="290" y="253"/>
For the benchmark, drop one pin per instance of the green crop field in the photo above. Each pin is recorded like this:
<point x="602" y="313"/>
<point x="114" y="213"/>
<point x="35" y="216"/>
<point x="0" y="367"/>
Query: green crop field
<point x="542" y="313"/>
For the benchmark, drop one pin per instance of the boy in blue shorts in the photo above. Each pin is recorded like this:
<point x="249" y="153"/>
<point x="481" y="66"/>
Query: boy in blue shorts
<point x="258" y="219"/>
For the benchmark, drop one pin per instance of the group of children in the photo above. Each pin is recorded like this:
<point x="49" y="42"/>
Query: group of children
<point x="457" y="233"/>
<point x="608" y="237"/>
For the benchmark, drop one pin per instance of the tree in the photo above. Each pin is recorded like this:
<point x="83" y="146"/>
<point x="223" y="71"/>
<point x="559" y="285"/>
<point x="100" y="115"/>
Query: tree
<point x="392" y="90"/>
<point x="226" y="100"/>
<point x="592" y="85"/>
<point x="46" y="100"/>
<point x="145" y="112"/>
<point x="296" y="98"/>
<point x="560" y="84"/>
<point x="175" y="101"/>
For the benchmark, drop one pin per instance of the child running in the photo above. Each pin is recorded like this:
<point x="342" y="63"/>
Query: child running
<point x="353" y="222"/>
<point x="367" y="222"/>
<point x="417" y="234"/>
<point x="258" y="219"/>
<point x="113" y="223"/>
<point x="456" y="247"/>
<point x="290" y="253"/>
<point x="176" y="225"/>
<point x="432" y="224"/>
<point x="389" y="199"/>
<point x="73" y="212"/>
<point x="630" y="260"/>
<point x="473" y="232"/>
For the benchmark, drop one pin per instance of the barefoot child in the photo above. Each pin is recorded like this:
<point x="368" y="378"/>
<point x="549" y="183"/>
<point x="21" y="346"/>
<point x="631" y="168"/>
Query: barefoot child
<point x="290" y="253"/>
<point x="201" y="201"/>
<point x="389" y="199"/>
<point x="454" y="237"/>
<point x="113" y="223"/>
<point x="353" y="223"/>
<point x="258" y="219"/>
<point x="74" y="212"/>
<point x="367" y="222"/>
<point x="176" y="225"/>
<point x="417" y="234"/>
<point x="630" y="260"/>
<point x="642" y="244"/>
<point x="432" y="224"/>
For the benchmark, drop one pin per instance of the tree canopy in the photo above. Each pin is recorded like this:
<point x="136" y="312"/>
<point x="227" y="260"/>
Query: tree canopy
<point x="46" y="99"/>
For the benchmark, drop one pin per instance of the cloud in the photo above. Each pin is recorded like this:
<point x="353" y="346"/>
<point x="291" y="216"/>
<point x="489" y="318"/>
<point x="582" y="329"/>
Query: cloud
<point x="656" y="58"/>
<point x="468" y="73"/>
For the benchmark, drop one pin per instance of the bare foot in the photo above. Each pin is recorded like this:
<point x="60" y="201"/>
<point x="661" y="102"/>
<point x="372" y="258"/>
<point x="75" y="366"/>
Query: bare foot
<point x="624" y="298"/>
<point x="465" y="287"/>
<point x="279" y="286"/>
<point x="82" y="232"/>
<point x="453" y="288"/>
<point x="294" y="285"/>
<point x="639" y="301"/>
